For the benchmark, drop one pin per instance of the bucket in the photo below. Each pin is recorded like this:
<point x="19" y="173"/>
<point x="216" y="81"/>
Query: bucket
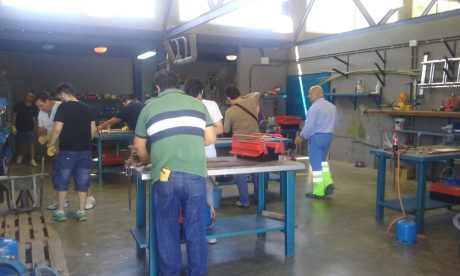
<point x="217" y="196"/>
<point x="399" y="123"/>
<point x="406" y="232"/>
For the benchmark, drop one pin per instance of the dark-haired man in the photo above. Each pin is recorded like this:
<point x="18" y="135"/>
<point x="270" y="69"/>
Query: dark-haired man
<point x="75" y="128"/>
<point x="129" y="114"/>
<point x="177" y="126"/>
<point x="195" y="88"/>
<point x="241" y="118"/>
<point x="24" y="122"/>
<point x="48" y="107"/>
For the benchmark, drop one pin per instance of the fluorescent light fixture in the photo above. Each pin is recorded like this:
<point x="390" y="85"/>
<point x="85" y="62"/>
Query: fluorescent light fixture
<point x="100" y="49"/>
<point x="231" y="57"/>
<point x="147" y="55"/>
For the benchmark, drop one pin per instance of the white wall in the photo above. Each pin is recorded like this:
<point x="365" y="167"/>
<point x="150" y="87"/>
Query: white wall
<point x="397" y="58"/>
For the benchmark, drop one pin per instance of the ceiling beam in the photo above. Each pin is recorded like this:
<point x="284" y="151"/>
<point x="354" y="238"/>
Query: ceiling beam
<point x="387" y="16"/>
<point x="302" y="20"/>
<point x="206" y="17"/>
<point x="364" y="12"/>
<point x="429" y="7"/>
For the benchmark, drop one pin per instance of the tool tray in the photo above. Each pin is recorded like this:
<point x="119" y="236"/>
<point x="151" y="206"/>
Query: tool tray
<point x="288" y="122"/>
<point x="258" y="146"/>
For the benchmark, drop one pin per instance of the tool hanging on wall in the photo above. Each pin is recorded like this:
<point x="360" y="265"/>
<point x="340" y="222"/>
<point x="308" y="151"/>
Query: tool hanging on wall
<point x="451" y="104"/>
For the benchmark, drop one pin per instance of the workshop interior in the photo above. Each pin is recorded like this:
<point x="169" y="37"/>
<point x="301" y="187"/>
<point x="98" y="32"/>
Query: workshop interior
<point x="353" y="168"/>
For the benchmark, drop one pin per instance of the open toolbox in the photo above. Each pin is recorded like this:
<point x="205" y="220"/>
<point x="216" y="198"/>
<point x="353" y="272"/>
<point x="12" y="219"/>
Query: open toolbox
<point x="288" y="121"/>
<point x="258" y="146"/>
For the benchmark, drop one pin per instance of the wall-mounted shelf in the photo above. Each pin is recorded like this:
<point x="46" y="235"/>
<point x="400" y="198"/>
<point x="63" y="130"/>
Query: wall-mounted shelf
<point x="438" y="114"/>
<point x="353" y="97"/>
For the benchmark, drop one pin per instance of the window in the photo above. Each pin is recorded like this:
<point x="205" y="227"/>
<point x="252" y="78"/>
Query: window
<point x="260" y="14"/>
<point x="97" y="8"/>
<point x="419" y="6"/>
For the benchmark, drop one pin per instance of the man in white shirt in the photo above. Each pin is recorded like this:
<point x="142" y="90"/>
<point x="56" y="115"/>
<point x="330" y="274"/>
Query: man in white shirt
<point x="194" y="87"/>
<point x="48" y="107"/>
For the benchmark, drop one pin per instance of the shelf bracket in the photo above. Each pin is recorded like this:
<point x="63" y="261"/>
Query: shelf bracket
<point x="383" y="59"/>
<point x="451" y="50"/>
<point x="347" y="63"/>
<point x="451" y="66"/>
<point x="381" y="79"/>
<point x="353" y="101"/>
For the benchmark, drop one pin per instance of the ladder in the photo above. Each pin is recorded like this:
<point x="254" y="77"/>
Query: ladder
<point x="441" y="73"/>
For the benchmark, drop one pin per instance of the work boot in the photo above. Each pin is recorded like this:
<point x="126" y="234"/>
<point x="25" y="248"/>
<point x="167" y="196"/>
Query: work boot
<point x="327" y="176"/>
<point x="329" y="189"/>
<point x="312" y="195"/>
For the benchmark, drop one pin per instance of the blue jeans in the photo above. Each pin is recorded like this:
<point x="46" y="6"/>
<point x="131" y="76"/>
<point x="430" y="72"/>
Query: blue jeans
<point x="72" y="163"/>
<point x="186" y="192"/>
<point x="318" y="147"/>
<point x="242" y="184"/>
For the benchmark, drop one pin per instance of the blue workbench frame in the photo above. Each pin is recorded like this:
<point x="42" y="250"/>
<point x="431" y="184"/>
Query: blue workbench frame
<point x="421" y="202"/>
<point x="224" y="227"/>
<point x="126" y="136"/>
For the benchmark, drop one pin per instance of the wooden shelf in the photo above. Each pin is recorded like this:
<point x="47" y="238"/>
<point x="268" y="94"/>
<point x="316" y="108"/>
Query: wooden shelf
<point x="438" y="114"/>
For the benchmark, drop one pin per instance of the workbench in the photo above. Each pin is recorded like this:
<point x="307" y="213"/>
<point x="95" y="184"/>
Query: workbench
<point x="417" y="205"/>
<point x="227" y="226"/>
<point x="109" y="137"/>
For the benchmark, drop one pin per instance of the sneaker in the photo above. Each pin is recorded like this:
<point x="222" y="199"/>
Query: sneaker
<point x="312" y="195"/>
<point x="80" y="215"/>
<point x="212" y="241"/>
<point x="33" y="163"/>
<point x="59" y="215"/>
<point x="90" y="202"/>
<point x="239" y="204"/>
<point x="55" y="205"/>
<point x="19" y="159"/>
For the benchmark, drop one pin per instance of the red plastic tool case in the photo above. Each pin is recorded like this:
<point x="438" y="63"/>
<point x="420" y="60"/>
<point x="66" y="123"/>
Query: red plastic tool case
<point x="288" y="121"/>
<point x="445" y="192"/>
<point x="258" y="146"/>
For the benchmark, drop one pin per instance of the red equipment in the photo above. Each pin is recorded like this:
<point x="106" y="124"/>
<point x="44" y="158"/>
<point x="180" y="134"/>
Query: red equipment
<point x="112" y="159"/>
<point x="258" y="146"/>
<point x="445" y="192"/>
<point x="452" y="104"/>
<point x="288" y="121"/>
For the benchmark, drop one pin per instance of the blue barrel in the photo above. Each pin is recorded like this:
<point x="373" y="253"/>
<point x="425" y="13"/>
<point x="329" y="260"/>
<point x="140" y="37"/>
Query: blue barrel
<point x="8" y="253"/>
<point x="406" y="232"/>
<point x="217" y="196"/>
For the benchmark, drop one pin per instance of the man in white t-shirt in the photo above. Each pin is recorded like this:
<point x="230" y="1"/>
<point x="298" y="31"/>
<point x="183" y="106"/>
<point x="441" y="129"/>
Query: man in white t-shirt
<point x="48" y="107"/>
<point x="194" y="87"/>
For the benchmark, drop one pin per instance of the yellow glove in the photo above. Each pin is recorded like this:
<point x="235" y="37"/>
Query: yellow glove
<point x="125" y="128"/>
<point x="43" y="139"/>
<point x="14" y="130"/>
<point x="51" y="151"/>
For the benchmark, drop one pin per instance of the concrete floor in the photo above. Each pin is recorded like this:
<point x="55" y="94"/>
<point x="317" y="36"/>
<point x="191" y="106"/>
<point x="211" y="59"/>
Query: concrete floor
<point x="337" y="236"/>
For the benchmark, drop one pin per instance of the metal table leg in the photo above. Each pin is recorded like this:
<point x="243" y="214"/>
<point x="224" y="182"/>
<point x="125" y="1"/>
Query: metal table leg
<point x="140" y="211"/>
<point x="381" y="166"/>
<point x="99" y="160"/>
<point x="152" y="233"/>
<point x="420" y="198"/>
<point x="261" y="196"/>
<point x="289" y="212"/>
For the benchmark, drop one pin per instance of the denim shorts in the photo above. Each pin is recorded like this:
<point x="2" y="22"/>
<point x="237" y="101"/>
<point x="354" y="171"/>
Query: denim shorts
<point x="72" y="163"/>
<point x="26" y="137"/>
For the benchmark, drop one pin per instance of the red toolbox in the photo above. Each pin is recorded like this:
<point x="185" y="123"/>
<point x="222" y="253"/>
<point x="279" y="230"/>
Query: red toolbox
<point x="288" y="121"/>
<point x="112" y="159"/>
<point x="445" y="192"/>
<point x="258" y="146"/>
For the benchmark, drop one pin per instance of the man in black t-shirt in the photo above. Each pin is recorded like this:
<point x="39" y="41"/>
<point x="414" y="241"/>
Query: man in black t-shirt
<point x="24" y="122"/>
<point x="75" y="128"/>
<point x="129" y="114"/>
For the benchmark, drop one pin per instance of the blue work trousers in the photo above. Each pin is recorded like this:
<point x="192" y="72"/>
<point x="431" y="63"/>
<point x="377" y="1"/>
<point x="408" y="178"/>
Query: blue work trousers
<point x="186" y="192"/>
<point x="242" y="184"/>
<point x="318" y="147"/>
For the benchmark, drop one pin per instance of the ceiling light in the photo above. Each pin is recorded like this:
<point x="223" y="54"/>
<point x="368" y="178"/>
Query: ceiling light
<point x="48" y="46"/>
<point x="231" y="57"/>
<point x="100" y="49"/>
<point x="147" y="55"/>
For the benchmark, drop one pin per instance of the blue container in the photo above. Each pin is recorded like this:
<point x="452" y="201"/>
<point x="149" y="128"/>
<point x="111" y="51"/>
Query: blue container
<point x="8" y="251"/>
<point x="406" y="232"/>
<point x="217" y="196"/>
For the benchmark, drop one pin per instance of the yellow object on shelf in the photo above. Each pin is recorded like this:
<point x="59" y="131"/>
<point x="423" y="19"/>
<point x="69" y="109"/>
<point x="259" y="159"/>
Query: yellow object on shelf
<point x="51" y="151"/>
<point x="125" y="128"/>
<point x="14" y="130"/>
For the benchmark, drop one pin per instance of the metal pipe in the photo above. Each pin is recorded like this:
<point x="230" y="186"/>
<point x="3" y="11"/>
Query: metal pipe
<point x="302" y="20"/>
<point x="364" y="12"/>
<point x="366" y="50"/>
<point x="429" y="7"/>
